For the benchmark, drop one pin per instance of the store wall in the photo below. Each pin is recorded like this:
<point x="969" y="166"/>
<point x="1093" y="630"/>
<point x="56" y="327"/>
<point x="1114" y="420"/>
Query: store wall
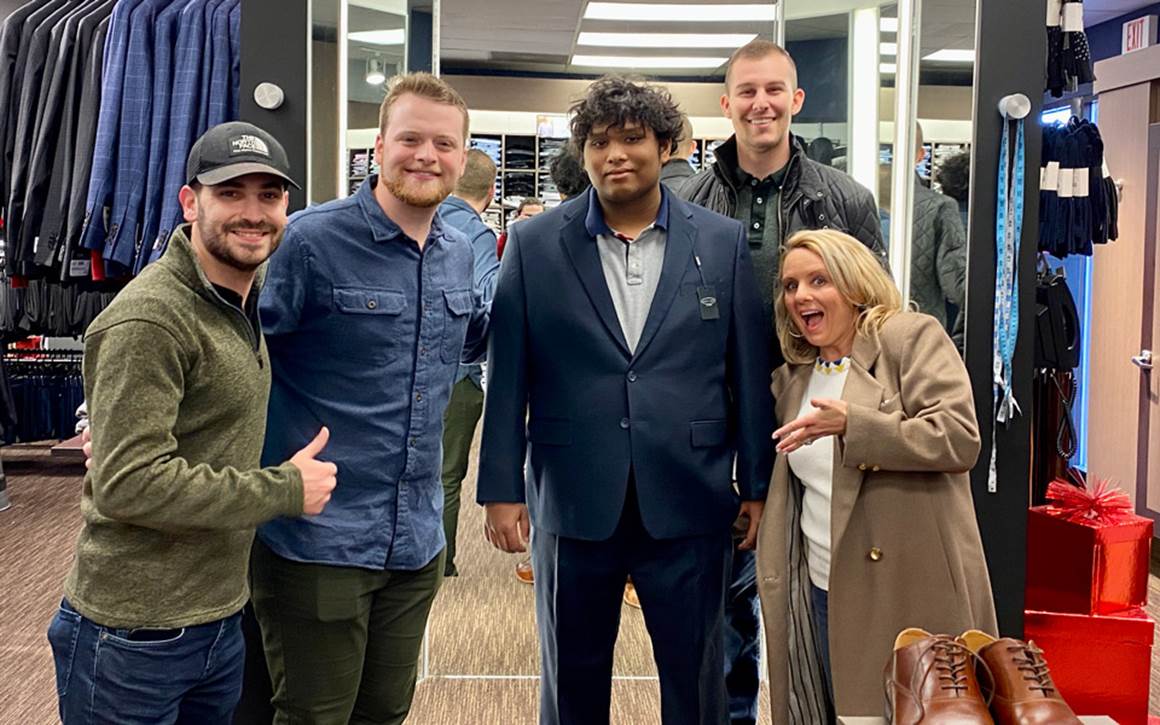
<point x="1106" y="39"/>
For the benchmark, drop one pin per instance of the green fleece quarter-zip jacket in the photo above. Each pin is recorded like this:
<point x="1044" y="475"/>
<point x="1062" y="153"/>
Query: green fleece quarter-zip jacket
<point x="177" y="381"/>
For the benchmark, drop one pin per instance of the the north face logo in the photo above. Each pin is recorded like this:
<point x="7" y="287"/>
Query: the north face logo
<point x="247" y="144"/>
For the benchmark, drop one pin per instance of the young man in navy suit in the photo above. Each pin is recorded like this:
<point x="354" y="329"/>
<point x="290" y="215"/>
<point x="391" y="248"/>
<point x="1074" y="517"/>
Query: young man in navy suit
<point x="627" y="331"/>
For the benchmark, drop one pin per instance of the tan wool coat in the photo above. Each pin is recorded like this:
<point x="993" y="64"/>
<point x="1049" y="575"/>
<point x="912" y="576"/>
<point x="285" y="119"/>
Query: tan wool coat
<point x="905" y="545"/>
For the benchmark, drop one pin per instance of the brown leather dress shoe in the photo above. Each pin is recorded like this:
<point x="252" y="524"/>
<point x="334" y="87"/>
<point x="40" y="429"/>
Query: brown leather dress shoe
<point x="524" y="572"/>
<point x="931" y="680"/>
<point x="1024" y="691"/>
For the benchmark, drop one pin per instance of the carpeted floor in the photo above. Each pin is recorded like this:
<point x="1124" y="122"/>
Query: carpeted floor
<point x="480" y="665"/>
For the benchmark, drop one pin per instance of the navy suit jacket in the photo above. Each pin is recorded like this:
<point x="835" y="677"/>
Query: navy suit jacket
<point x="694" y="396"/>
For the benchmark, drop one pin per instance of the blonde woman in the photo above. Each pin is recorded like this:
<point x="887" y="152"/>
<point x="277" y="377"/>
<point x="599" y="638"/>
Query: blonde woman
<point x="869" y="527"/>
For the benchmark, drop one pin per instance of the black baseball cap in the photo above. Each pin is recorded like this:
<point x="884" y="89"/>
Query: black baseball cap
<point x="234" y="149"/>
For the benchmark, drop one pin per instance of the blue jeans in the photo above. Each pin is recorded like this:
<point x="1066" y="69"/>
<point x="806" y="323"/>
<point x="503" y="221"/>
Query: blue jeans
<point x="105" y="675"/>
<point x="742" y="643"/>
<point x="820" y="599"/>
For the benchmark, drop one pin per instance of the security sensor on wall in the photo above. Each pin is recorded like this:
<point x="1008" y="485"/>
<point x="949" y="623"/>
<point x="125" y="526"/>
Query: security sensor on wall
<point x="375" y="74"/>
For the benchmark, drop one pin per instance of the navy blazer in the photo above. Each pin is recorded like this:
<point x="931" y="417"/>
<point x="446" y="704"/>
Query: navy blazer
<point x="694" y="395"/>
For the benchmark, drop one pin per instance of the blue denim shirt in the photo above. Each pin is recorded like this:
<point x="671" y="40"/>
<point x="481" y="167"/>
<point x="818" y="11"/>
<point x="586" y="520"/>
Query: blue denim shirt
<point x="458" y="214"/>
<point x="365" y="333"/>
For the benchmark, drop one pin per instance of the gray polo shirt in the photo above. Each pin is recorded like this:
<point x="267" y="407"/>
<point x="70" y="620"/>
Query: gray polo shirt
<point x="632" y="266"/>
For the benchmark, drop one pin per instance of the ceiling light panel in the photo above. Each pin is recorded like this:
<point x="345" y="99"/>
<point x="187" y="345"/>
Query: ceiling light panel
<point x="673" y="12"/>
<point x="950" y="55"/>
<point x="380" y="37"/>
<point x="665" y="40"/>
<point x="620" y="61"/>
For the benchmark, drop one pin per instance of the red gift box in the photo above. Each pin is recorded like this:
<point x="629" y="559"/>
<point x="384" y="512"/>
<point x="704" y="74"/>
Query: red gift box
<point x="1087" y="560"/>
<point x="1101" y="664"/>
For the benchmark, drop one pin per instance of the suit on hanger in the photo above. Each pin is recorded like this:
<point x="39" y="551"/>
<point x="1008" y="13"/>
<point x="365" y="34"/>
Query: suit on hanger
<point x="61" y="146"/>
<point x="218" y="97"/>
<point x="17" y="42"/>
<point x="103" y="178"/>
<point x="42" y="46"/>
<point x="10" y="33"/>
<point x="631" y="447"/>
<point x="164" y="43"/>
<point x="87" y="120"/>
<point x="133" y="135"/>
<point x="188" y="62"/>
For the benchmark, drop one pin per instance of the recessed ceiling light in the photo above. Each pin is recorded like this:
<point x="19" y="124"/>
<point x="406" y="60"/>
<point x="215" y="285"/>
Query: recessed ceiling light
<point x="950" y="55"/>
<point x="666" y="40"/>
<point x="887" y="69"/>
<point x="398" y="36"/>
<point x="622" y="61"/>
<point x="888" y="48"/>
<point x="888" y="25"/>
<point x="673" y="12"/>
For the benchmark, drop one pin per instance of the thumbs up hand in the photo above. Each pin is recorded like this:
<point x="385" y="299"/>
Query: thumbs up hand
<point x="318" y="477"/>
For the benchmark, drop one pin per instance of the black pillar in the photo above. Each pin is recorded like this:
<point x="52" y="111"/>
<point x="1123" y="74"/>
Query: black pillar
<point x="1010" y="52"/>
<point x="275" y="49"/>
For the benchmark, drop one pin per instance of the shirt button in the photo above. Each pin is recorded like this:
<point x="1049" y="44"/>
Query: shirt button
<point x="418" y="397"/>
<point x="753" y="182"/>
<point x="422" y="351"/>
<point x="821" y="217"/>
<point x="371" y="304"/>
<point x="624" y="423"/>
<point x="632" y="376"/>
<point x="413" y="442"/>
<point x="760" y="200"/>
<point x="757" y="225"/>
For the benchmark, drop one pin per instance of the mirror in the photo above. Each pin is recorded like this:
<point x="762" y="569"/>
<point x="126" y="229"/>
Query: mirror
<point x="941" y="163"/>
<point x="380" y="39"/>
<point x="324" y="140"/>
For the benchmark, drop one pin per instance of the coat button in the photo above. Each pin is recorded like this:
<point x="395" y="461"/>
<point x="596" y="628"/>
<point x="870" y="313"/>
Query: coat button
<point x="861" y="466"/>
<point x="632" y="376"/>
<point x="624" y="423"/>
<point x="371" y="304"/>
<point x="875" y="554"/>
<point x="876" y="468"/>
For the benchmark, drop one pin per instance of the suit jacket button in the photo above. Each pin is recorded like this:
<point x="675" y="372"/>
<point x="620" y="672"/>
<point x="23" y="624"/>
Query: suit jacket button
<point x="632" y="376"/>
<point x="624" y="423"/>
<point x="861" y="466"/>
<point x="875" y="554"/>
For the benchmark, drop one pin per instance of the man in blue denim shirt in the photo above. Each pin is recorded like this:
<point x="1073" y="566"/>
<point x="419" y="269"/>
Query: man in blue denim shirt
<point x="370" y="306"/>
<point x="462" y="211"/>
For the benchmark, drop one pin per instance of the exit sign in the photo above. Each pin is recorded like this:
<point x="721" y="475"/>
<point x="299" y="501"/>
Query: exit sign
<point x="1139" y="33"/>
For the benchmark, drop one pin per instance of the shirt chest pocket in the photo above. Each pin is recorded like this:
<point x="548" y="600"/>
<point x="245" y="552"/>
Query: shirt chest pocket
<point x="368" y="324"/>
<point x="457" y="313"/>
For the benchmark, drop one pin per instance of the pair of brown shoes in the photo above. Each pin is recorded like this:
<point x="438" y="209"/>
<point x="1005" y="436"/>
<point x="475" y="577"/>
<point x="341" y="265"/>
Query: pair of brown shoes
<point x="933" y="679"/>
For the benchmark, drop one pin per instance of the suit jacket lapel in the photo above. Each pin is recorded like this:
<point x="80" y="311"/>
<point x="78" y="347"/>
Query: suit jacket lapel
<point x="861" y="389"/>
<point x="678" y="256"/>
<point x="585" y="257"/>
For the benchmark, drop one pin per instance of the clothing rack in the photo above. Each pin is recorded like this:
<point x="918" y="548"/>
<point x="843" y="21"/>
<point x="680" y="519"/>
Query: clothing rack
<point x="42" y="390"/>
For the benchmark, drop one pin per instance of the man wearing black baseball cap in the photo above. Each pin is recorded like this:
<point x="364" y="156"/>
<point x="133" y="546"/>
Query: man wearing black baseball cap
<point x="177" y="379"/>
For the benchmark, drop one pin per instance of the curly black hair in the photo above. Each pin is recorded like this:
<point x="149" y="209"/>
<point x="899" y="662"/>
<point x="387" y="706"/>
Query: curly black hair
<point x="568" y="173"/>
<point x="954" y="175"/>
<point x="618" y="101"/>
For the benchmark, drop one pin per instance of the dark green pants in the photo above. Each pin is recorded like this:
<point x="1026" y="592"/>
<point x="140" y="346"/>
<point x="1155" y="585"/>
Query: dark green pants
<point x="342" y="643"/>
<point x="459" y="421"/>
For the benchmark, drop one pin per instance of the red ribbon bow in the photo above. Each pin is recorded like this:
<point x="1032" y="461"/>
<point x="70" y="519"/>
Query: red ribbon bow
<point x="1099" y="502"/>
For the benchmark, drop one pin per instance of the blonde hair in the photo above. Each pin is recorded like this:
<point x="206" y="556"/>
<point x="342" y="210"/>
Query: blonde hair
<point x="859" y="278"/>
<point x="758" y="49"/>
<point x="423" y="85"/>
